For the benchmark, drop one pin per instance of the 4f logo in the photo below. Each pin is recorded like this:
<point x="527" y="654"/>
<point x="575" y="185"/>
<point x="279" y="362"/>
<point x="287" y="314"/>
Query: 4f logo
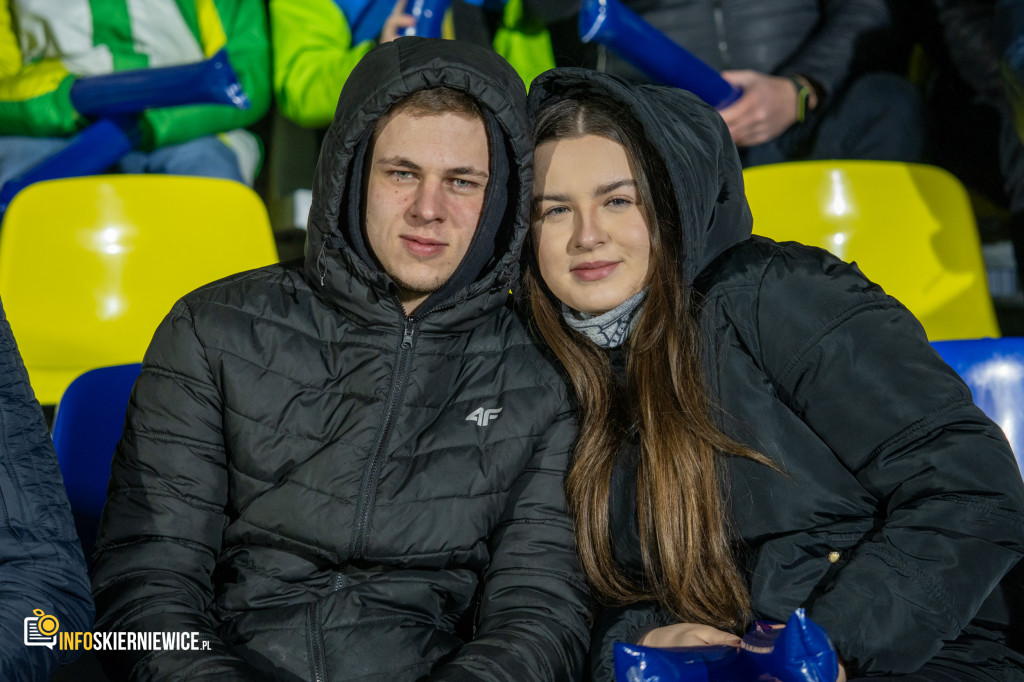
<point x="483" y="417"/>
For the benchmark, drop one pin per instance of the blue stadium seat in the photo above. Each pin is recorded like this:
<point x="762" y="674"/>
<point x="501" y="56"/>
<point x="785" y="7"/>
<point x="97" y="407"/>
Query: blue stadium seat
<point x="86" y="429"/>
<point x="994" y="370"/>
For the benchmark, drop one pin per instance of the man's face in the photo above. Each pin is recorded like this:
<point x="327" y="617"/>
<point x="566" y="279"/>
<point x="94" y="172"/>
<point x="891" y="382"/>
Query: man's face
<point x="423" y="199"/>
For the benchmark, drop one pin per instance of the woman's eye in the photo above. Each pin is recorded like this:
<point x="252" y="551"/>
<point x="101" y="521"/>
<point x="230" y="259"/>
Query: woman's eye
<point x="554" y="211"/>
<point x="620" y="202"/>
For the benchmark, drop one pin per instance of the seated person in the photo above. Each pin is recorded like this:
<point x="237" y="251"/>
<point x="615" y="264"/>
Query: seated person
<point x="762" y="428"/>
<point x="46" y="46"/>
<point x="317" y="43"/>
<point x="812" y="73"/>
<point x="41" y="562"/>
<point x="352" y="467"/>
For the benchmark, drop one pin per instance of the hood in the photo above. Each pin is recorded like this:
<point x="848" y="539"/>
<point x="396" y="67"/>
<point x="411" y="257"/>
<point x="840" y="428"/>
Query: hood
<point x="695" y="146"/>
<point x="336" y="262"/>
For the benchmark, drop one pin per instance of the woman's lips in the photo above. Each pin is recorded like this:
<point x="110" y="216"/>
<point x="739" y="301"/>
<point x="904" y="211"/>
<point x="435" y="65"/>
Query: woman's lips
<point x="595" y="270"/>
<point x="422" y="246"/>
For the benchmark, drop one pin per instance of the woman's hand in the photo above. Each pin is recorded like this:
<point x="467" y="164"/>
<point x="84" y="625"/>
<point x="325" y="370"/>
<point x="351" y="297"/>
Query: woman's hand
<point x="688" y="634"/>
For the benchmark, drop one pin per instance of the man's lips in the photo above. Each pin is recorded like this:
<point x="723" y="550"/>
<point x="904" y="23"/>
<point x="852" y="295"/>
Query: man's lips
<point x="424" y="247"/>
<point x="594" y="270"/>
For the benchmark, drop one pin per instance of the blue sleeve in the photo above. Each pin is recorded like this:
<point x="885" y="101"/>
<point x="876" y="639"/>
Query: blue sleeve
<point x="41" y="562"/>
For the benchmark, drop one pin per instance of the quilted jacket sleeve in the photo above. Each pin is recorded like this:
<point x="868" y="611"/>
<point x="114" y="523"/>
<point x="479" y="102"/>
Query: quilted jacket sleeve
<point x="829" y="53"/>
<point x="41" y="562"/>
<point x="162" y="525"/>
<point x="534" y="610"/>
<point x="622" y="624"/>
<point x="856" y="366"/>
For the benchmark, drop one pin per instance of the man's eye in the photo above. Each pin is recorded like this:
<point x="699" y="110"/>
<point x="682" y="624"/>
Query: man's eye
<point x="460" y="183"/>
<point x="401" y="175"/>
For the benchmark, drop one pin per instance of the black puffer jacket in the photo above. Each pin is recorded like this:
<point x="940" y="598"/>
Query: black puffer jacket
<point x="901" y="509"/>
<point x="306" y="477"/>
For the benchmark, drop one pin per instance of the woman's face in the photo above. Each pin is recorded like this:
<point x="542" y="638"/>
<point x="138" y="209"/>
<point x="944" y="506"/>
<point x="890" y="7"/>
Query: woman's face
<point x="589" y="230"/>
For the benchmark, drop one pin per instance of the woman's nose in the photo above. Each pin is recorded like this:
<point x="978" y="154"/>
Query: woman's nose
<point x="589" y="232"/>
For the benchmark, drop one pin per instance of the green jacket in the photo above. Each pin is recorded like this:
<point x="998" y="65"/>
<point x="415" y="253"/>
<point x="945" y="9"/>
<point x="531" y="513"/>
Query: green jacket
<point x="314" y="54"/>
<point x="44" y="49"/>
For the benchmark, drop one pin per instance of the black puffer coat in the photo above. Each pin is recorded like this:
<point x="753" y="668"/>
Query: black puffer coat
<point x="307" y="478"/>
<point x="900" y="511"/>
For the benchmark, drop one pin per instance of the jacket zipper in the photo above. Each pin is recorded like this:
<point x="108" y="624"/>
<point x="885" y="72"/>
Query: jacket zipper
<point x="314" y="638"/>
<point x="395" y="392"/>
<point x="723" y="44"/>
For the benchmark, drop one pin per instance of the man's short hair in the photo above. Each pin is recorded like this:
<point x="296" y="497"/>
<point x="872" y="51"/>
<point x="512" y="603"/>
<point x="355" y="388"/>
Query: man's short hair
<point x="433" y="102"/>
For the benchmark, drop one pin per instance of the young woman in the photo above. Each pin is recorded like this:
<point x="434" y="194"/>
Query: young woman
<point x="762" y="428"/>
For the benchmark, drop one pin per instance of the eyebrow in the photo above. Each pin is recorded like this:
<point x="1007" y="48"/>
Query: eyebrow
<point x="403" y="162"/>
<point x="600" y="190"/>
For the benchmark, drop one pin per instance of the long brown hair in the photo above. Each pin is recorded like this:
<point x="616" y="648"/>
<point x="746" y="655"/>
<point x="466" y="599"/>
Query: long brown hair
<point x="687" y="557"/>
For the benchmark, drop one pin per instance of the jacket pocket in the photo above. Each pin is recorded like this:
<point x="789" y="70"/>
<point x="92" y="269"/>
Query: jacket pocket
<point x="315" y="644"/>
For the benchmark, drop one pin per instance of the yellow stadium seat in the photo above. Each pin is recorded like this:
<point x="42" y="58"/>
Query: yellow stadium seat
<point x="89" y="266"/>
<point x="908" y="226"/>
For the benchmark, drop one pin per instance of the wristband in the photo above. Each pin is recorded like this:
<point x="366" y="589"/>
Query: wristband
<point x="803" y="94"/>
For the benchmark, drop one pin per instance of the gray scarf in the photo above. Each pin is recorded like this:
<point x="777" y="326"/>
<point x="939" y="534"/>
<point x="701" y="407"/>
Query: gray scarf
<point x="609" y="329"/>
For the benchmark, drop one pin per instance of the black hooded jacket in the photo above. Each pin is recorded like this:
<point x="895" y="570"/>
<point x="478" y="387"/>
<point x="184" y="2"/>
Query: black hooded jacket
<point x="899" y="512"/>
<point x="327" y="490"/>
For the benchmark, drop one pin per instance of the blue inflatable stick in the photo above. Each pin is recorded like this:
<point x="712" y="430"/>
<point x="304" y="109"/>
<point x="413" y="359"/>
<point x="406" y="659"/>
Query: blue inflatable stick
<point x="614" y="25"/>
<point x="211" y="81"/>
<point x="365" y="17"/>
<point x="429" y="17"/>
<point x="799" y="652"/>
<point x="92" y="151"/>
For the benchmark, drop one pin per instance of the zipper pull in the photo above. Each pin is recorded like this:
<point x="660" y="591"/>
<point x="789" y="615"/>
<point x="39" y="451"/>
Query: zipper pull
<point x="407" y="338"/>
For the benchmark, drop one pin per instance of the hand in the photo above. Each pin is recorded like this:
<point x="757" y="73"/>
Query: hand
<point x="687" y="634"/>
<point x="398" y="19"/>
<point x="765" y="109"/>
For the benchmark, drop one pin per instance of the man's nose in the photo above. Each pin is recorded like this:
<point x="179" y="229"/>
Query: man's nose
<point x="429" y="203"/>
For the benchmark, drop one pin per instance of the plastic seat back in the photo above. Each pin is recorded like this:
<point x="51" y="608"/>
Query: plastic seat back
<point x="86" y="429"/>
<point x="89" y="266"/>
<point x="908" y="226"/>
<point x="994" y="370"/>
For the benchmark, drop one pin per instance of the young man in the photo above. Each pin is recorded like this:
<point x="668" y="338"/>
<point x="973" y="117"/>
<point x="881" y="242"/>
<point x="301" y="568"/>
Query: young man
<point x="351" y="468"/>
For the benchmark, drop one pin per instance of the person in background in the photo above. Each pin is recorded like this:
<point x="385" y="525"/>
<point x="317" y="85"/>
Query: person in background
<point x="42" y="570"/>
<point x="814" y="73"/>
<point x="352" y="467"/>
<point x="45" y="46"/>
<point x="762" y="428"/>
<point x="969" y="121"/>
<point x="317" y="44"/>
